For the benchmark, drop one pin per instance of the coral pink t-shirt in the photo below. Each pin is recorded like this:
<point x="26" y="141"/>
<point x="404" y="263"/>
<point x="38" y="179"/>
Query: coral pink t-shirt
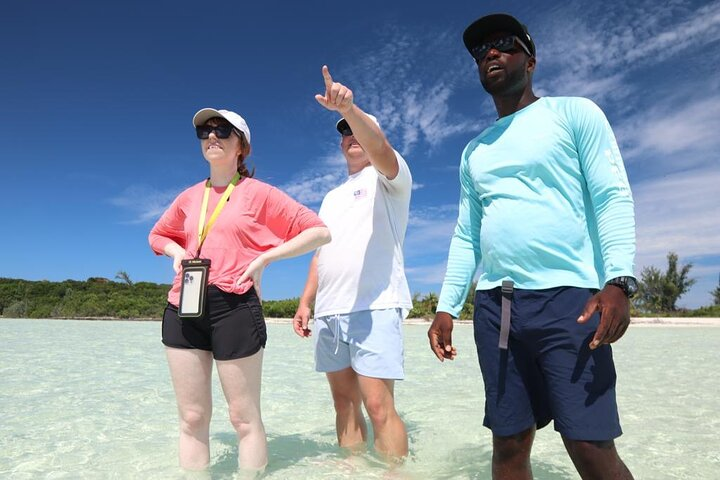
<point x="256" y="218"/>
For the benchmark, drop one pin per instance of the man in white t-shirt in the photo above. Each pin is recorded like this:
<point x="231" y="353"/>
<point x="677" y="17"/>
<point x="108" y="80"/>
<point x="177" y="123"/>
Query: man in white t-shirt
<point x="358" y="281"/>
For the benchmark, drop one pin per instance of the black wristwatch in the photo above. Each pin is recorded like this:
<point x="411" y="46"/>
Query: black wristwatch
<point x="628" y="285"/>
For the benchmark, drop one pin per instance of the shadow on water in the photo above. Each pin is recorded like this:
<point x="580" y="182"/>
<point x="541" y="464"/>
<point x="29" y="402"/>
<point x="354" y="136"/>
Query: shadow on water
<point x="467" y="461"/>
<point x="475" y="463"/>
<point x="226" y="464"/>
<point x="547" y="471"/>
<point x="288" y="451"/>
<point x="284" y="451"/>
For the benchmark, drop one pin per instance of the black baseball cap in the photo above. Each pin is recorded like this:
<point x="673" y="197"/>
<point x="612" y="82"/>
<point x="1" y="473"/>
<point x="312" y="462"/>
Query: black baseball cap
<point x="497" y="22"/>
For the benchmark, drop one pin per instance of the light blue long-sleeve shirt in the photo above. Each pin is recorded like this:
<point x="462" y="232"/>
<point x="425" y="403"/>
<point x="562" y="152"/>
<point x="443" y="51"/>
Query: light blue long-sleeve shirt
<point x="544" y="202"/>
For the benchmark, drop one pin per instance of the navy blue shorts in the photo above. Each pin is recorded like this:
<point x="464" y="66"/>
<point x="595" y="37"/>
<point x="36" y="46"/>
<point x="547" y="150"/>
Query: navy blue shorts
<point x="548" y="371"/>
<point x="232" y="326"/>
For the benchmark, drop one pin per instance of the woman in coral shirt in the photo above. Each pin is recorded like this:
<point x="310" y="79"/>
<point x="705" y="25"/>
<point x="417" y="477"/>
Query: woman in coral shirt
<point x="237" y="225"/>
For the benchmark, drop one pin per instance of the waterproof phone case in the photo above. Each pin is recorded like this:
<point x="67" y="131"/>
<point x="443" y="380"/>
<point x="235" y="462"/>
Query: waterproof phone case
<point x="193" y="287"/>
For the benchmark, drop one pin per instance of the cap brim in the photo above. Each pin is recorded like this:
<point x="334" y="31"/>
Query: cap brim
<point x="204" y="115"/>
<point x="499" y="22"/>
<point x="342" y="123"/>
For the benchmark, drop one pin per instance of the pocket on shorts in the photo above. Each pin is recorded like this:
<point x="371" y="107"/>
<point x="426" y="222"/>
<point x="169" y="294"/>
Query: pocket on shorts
<point x="259" y="322"/>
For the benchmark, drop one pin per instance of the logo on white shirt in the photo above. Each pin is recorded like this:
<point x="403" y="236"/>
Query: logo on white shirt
<point x="360" y="193"/>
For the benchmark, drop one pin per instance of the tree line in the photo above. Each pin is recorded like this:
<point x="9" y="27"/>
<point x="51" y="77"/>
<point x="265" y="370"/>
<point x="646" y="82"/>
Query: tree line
<point x="99" y="297"/>
<point x="659" y="292"/>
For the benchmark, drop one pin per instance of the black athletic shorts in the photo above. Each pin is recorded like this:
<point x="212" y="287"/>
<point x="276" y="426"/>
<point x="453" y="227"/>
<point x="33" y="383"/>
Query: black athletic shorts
<point x="232" y="327"/>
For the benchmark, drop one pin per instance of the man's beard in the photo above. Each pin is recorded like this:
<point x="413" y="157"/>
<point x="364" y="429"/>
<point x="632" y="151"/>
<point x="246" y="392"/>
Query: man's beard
<point x="514" y="82"/>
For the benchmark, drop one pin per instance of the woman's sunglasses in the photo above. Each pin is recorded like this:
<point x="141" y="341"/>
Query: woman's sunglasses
<point x="221" y="131"/>
<point x="504" y="44"/>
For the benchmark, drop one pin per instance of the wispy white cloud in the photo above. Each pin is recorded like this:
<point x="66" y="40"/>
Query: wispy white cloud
<point x="145" y="203"/>
<point x="427" y="214"/>
<point x="408" y="93"/>
<point x="700" y="28"/>
<point x="591" y="53"/>
<point x="711" y="271"/>
<point x="429" y="231"/>
<point x="678" y="213"/>
<point x="582" y="51"/>
<point x="677" y="134"/>
<point x="427" y="276"/>
<point x="310" y="185"/>
<point x="312" y="189"/>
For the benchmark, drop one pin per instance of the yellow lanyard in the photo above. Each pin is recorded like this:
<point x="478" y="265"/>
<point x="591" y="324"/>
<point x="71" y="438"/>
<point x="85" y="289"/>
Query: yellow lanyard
<point x="202" y="228"/>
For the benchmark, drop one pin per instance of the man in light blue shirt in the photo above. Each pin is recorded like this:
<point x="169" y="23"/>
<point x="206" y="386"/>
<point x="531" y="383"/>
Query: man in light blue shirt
<point x="546" y="213"/>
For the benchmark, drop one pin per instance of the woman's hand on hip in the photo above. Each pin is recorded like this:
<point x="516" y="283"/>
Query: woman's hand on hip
<point x="254" y="272"/>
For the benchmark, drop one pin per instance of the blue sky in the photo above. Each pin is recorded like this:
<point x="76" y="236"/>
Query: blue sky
<point x="97" y="100"/>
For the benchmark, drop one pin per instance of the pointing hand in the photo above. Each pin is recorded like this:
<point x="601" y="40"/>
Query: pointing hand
<point x="337" y="96"/>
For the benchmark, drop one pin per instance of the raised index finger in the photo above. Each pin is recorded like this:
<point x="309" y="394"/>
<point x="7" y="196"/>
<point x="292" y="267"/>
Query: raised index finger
<point x="327" y="77"/>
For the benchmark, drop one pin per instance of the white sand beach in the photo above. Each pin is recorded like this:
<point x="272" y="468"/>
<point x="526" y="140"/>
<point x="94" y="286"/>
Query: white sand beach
<point x="675" y="322"/>
<point x="636" y="321"/>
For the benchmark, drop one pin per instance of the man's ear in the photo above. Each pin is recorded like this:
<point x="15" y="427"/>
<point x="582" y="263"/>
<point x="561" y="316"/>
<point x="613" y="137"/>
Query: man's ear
<point x="531" y="65"/>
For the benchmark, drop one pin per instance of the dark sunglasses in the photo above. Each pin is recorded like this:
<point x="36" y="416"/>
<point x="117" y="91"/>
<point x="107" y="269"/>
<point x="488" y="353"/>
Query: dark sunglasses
<point x="346" y="132"/>
<point x="504" y="44"/>
<point x="221" y="131"/>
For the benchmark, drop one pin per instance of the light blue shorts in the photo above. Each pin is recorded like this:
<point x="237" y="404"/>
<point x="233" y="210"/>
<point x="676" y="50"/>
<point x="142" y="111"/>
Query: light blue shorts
<point x="369" y="341"/>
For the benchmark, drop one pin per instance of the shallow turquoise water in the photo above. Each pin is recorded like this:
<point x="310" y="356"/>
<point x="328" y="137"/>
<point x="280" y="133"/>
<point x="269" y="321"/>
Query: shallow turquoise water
<point x="82" y="399"/>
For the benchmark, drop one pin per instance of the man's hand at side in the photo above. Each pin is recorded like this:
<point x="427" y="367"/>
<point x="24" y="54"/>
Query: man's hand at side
<point x="614" y="308"/>
<point x="440" y="336"/>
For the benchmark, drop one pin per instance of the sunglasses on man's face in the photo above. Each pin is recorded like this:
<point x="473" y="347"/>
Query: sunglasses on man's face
<point x="346" y="132"/>
<point x="505" y="44"/>
<point x="221" y="131"/>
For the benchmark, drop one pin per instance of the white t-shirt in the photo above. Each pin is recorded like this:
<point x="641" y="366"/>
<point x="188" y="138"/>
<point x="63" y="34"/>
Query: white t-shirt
<point x="362" y="268"/>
